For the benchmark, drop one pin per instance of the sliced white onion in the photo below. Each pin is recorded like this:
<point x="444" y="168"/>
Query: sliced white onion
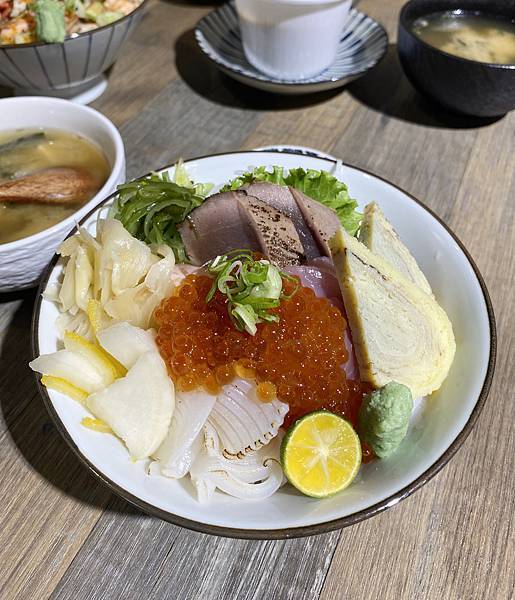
<point x="52" y="292"/>
<point x="159" y="278"/>
<point x="128" y="258"/>
<point x="244" y="423"/>
<point x="90" y="242"/>
<point x="127" y="278"/>
<point x="67" y="292"/>
<point x="83" y="278"/>
<point x="182" y="443"/>
<point x="69" y="246"/>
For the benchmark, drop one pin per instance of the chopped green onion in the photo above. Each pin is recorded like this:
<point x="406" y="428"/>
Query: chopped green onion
<point x="252" y="287"/>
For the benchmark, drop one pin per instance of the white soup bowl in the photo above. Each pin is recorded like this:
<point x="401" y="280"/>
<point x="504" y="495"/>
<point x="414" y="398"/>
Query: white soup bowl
<point x="23" y="261"/>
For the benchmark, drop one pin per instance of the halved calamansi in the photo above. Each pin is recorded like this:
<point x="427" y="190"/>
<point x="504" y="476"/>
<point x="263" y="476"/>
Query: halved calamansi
<point x="321" y="454"/>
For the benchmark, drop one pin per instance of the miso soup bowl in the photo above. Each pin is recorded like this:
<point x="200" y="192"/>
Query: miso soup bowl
<point x="23" y="261"/>
<point x="461" y="85"/>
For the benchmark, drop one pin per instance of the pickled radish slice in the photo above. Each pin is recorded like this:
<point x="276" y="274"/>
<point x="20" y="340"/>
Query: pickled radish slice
<point x="139" y="406"/>
<point x="74" y="368"/>
<point x="126" y="342"/>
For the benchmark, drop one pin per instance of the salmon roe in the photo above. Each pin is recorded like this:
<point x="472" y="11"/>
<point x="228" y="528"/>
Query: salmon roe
<point x="299" y="358"/>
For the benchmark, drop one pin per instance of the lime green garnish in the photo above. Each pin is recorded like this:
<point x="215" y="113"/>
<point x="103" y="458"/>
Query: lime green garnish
<point x="321" y="454"/>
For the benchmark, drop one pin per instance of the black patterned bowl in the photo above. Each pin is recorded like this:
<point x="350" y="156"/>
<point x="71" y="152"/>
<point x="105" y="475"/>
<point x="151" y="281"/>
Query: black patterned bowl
<point x="465" y="86"/>
<point x="67" y="69"/>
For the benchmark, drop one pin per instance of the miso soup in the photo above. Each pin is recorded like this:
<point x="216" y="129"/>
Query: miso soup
<point x="474" y="36"/>
<point x="23" y="152"/>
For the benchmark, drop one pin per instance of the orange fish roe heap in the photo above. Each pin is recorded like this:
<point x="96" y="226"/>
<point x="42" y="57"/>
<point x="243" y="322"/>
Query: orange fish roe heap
<point x="299" y="358"/>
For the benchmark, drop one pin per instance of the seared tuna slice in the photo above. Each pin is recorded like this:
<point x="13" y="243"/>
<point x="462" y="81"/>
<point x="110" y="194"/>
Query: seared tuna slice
<point x="217" y="226"/>
<point x="279" y="239"/>
<point x="322" y="221"/>
<point x="282" y="200"/>
<point x="234" y="220"/>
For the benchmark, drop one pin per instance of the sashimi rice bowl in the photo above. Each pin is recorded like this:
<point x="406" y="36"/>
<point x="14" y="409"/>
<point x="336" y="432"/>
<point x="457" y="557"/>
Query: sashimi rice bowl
<point x="249" y="337"/>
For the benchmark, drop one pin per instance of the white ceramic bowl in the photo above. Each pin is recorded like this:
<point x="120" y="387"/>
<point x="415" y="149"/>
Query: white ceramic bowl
<point x="438" y="426"/>
<point x="23" y="261"/>
<point x="291" y="39"/>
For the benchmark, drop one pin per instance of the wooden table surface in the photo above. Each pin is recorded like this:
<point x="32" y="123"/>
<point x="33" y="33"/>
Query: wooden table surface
<point x="65" y="535"/>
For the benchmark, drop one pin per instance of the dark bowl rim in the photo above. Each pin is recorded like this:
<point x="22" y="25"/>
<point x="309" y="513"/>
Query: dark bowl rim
<point x="70" y="38"/>
<point x="267" y="80"/>
<point x="295" y="532"/>
<point x="405" y="23"/>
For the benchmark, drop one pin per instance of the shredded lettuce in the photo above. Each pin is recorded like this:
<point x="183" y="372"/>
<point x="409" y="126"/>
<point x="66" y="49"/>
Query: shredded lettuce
<point x="181" y="177"/>
<point x="319" y="185"/>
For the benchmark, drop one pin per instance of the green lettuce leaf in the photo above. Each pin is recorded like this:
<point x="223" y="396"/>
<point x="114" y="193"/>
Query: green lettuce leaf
<point x="181" y="177"/>
<point x="319" y="185"/>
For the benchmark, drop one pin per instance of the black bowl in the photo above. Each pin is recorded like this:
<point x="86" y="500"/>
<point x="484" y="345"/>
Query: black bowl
<point x="465" y="86"/>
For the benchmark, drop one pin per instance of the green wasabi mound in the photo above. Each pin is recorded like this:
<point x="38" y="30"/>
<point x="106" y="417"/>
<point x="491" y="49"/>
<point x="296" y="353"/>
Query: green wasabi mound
<point x="50" y="25"/>
<point x="384" y="418"/>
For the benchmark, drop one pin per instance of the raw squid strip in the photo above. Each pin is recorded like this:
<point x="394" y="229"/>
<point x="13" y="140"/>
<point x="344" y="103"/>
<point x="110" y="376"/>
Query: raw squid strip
<point x="243" y="423"/>
<point x="253" y="477"/>
<point x="177" y="452"/>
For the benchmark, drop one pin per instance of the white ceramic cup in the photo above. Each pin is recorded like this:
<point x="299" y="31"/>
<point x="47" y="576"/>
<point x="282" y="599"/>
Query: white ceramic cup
<point x="291" y="39"/>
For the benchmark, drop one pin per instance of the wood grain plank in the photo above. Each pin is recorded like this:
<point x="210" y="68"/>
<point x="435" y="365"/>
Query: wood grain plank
<point x="179" y="123"/>
<point x="14" y="314"/>
<point x="322" y="124"/>
<point x="453" y="539"/>
<point x="49" y="501"/>
<point x="427" y="160"/>
<point x="125" y="554"/>
<point x="135" y="556"/>
<point x="147" y="64"/>
<point x="225" y="569"/>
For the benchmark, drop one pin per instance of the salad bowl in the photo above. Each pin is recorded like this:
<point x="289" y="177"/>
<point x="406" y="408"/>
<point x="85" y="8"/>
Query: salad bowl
<point x="72" y="69"/>
<point x="439" y="423"/>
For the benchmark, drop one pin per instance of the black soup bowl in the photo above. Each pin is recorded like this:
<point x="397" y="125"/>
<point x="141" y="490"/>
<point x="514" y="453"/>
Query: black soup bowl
<point x="461" y="85"/>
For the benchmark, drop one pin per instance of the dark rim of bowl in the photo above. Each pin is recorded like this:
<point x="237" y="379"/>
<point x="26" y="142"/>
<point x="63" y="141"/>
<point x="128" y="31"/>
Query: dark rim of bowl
<point x="307" y="530"/>
<point x="407" y="23"/>
<point x="69" y="38"/>
<point x="300" y="83"/>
